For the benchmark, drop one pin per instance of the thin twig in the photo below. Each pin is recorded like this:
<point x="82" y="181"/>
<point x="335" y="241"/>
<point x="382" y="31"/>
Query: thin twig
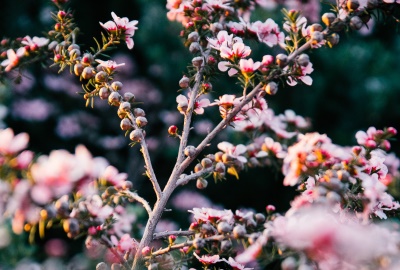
<point x="139" y="199"/>
<point x="111" y="247"/>
<point x="193" y="176"/>
<point x="168" y="233"/>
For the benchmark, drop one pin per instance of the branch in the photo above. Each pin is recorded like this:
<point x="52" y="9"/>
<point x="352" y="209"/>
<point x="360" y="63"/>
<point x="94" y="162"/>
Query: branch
<point x="146" y="157"/>
<point x="139" y="199"/>
<point x="168" y="233"/>
<point x="193" y="176"/>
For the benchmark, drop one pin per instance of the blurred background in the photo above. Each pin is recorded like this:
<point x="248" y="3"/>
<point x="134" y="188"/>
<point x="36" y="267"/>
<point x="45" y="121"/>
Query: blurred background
<point x="355" y="86"/>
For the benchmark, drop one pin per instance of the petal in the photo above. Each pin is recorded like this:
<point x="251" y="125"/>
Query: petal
<point x="232" y="72"/>
<point x="223" y="66"/>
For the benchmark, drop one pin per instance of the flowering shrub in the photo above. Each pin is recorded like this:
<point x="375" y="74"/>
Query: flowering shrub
<point x="333" y="223"/>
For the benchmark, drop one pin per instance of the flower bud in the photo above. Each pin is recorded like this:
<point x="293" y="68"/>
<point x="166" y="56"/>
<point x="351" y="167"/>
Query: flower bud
<point x="146" y="251"/>
<point x="136" y="135"/>
<point x="218" y="156"/>
<point x="184" y="82"/>
<point x="152" y="266"/>
<point x="281" y="60"/>
<point x="87" y="59"/>
<point x="197" y="61"/>
<point x="52" y="45"/>
<point x="116" y="266"/>
<point x="333" y="39"/>
<point x="78" y="69"/>
<point x="206" y="87"/>
<point x="141" y="121"/>
<point x="271" y="88"/>
<point x="239" y="231"/>
<point x="61" y="14"/>
<point x="226" y="245"/>
<point x="116" y="86"/>
<point x="206" y="163"/>
<point x="260" y="218"/>
<point x="73" y="47"/>
<point x="270" y="208"/>
<point x="190" y="151"/>
<point x="58" y="58"/>
<point x="194" y="47"/>
<point x="303" y="60"/>
<point x="328" y="18"/>
<point x="102" y="266"/>
<point x="71" y="226"/>
<point x="216" y="27"/>
<point x="173" y="130"/>
<point x="201" y="183"/>
<point x="129" y="97"/>
<point x="356" y="23"/>
<point x="114" y="99"/>
<point x="127" y="185"/>
<point x="352" y="4"/>
<point x="139" y="112"/>
<point x="224" y="227"/>
<point x="317" y="37"/>
<point x="198" y="168"/>
<point x="104" y="93"/>
<point x="392" y="131"/>
<point x="220" y="167"/>
<point x="100" y="77"/>
<point x="126" y="124"/>
<point x="87" y="73"/>
<point x="73" y="54"/>
<point x="193" y="36"/>
<point x="125" y="106"/>
<point x="316" y="27"/>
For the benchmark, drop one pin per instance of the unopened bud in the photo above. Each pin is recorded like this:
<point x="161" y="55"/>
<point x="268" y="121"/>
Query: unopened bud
<point x="220" y="167"/>
<point x="87" y="73"/>
<point x="78" y="69"/>
<point x="224" y="227"/>
<point x="316" y="27"/>
<point x="356" y="23"/>
<point x="173" y="130"/>
<point x="104" y="93"/>
<point x="139" y="112"/>
<point x="239" y="231"/>
<point x="117" y="85"/>
<point x="58" y="58"/>
<point x="352" y="4"/>
<point x="328" y="18"/>
<point x="125" y="106"/>
<point x="193" y="36"/>
<point x="141" y="121"/>
<point x="194" y="47"/>
<point x="129" y="97"/>
<point x="102" y="266"/>
<point x="289" y="264"/>
<point x="201" y="183"/>
<point x="303" y="60"/>
<point x="146" y="251"/>
<point x="126" y="124"/>
<point x="71" y="226"/>
<point x="114" y="99"/>
<point x="73" y="54"/>
<point x="317" y="36"/>
<point x="197" y="61"/>
<point x="206" y="163"/>
<point x="101" y="76"/>
<point x="333" y="39"/>
<point x="281" y="60"/>
<point x="216" y="27"/>
<point x="184" y="82"/>
<point x="87" y="59"/>
<point x="271" y="88"/>
<point x="198" y="168"/>
<point x="136" y="135"/>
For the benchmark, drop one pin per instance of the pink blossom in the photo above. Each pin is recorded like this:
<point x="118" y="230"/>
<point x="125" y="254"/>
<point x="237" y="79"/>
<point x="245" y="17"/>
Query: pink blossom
<point x="35" y="42"/>
<point x="235" y="265"/>
<point x="225" y="65"/>
<point x="248" y="66"/>
<point x="237" y="51"/>
<point x="125" y="243"/>
<point x="367" y="139"/>
<point x="112" y="176"/>
<point x="207" y="260"/>
<point x="199" y="104"/>
<point x="268" y="32"/>
<point x="13" y="58"/>
<point x="109" y="64"/>
<point x="211" y="215"/>
<point x="234" y="151"/>
<point x="10" y="144"/>
<point x="122" y="26"/>
<point x="303" y="77"/>
<point x="218" y="5"/>
<point x="223" y="38"/>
